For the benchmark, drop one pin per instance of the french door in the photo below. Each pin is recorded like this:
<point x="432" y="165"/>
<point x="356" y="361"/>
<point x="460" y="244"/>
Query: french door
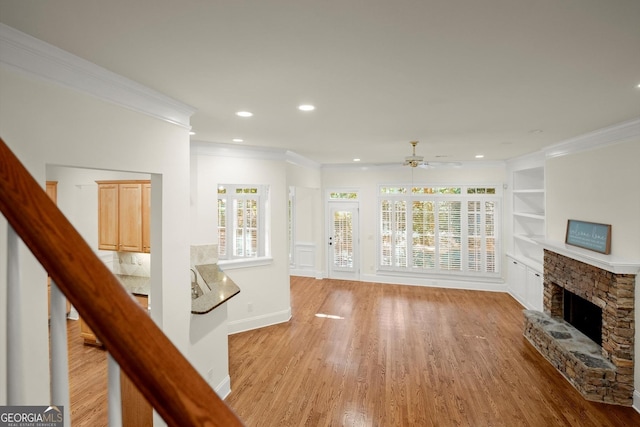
<point x="343" y="241"/>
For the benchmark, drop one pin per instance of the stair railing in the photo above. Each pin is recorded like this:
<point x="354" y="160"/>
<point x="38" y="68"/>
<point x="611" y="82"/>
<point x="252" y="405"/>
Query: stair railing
<point x="162" y="374"/>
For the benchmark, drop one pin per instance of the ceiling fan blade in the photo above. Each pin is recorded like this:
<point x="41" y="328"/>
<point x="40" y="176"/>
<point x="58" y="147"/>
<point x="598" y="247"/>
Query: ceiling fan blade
<point x="427" y="165"/>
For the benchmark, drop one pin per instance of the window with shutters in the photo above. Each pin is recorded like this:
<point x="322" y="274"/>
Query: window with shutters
<point x="453" y="230"/>
<point x="241" y="212"/>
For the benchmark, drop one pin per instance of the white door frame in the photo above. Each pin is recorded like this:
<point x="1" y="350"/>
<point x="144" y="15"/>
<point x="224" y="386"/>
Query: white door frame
<point x="352" y="270"/>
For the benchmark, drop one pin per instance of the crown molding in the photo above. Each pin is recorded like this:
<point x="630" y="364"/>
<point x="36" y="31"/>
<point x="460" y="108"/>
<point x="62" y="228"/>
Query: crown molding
<point x="399" y="166"/>
<point x="30" y="55"/>
<point x="617" y="133"/>
<point x="299" y="160"/>
<point x="239" y="151"/>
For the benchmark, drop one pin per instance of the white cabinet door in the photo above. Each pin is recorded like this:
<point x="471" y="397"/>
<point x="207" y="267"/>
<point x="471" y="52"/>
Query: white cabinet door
<point x="517" y="280"/>
<point x="534" y="289"/>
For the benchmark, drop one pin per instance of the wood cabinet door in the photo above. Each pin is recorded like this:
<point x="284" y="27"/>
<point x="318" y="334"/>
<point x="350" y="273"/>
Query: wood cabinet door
<point x="146" y="218"/>
<point x="108" y="217"/>
<point x="130" y="201"/>
<point x="52" y="190"/>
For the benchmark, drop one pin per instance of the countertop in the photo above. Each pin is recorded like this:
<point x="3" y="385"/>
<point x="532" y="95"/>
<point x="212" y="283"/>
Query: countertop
<point x="218" y="288"/>
<point x="136" y="285"/>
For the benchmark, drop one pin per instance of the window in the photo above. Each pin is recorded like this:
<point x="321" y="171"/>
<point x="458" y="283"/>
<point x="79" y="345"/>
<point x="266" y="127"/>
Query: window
<point x="453" y="229"/>
<point x="241" y="213"/>
<point x="349" y="195"/>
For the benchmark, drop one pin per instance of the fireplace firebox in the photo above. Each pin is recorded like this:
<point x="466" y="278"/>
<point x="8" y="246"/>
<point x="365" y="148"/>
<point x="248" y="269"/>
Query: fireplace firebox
<point x="583" y="315"/>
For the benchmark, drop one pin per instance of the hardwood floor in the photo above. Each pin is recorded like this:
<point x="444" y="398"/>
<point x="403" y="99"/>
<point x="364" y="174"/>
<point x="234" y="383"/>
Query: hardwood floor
<point x="87" y="380"/>
<point x="387" y="355"/>
<point x="382" y="355"/>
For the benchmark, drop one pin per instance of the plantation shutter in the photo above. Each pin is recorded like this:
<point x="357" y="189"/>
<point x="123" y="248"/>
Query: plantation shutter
<point x="449" y="230"/>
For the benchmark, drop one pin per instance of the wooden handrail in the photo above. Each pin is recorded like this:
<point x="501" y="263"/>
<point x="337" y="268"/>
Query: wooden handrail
<point x="161" y="373"/>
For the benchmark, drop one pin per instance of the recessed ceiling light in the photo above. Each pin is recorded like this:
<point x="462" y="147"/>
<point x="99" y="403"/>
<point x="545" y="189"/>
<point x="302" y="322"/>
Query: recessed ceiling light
<point x="192" y="133"/>
<point x="638" y="86"/>
<point x="244" y="114"/>
<point x="479" y="156"/>
<point x="306" y="107"/>
<point x="356" y="160"/>
<point x="237" y="140"/>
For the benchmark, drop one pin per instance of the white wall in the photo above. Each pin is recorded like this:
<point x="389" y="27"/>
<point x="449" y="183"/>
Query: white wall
<point x="308" y="211"/>
<point x="264" y="296"/>
<point x="45" y="124"/>
<point x="209" y="348"/>
<point x="600" y="185"/>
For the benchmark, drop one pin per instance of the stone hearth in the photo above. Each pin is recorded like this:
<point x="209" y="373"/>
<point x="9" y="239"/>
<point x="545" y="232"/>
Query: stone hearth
<point x="601" y="373"/>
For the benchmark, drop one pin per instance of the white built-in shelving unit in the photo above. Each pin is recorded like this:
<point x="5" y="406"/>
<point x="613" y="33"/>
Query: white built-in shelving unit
<point x="524" y="262"/>
<point x="528" y="214"/>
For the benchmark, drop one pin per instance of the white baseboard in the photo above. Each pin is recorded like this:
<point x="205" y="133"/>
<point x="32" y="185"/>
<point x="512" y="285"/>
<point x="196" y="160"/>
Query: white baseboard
<point x="316" y="274"/>
<point x="302" y="272"/>
<point x="491" y="286"/>
<point x="257" y="322"/>
<point x="224" y="388"/>
<point x="636" y="400"/>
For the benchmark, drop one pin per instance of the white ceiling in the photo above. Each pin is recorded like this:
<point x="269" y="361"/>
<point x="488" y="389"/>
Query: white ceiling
<point x="464" y="77"/>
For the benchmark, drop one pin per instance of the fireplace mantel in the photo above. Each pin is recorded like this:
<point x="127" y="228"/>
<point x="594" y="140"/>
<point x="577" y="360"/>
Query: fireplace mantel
<point x="609" y="263"/>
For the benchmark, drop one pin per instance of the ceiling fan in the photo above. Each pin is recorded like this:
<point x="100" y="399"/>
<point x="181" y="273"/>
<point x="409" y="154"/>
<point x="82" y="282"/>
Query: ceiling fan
<point x="418" y="161"/>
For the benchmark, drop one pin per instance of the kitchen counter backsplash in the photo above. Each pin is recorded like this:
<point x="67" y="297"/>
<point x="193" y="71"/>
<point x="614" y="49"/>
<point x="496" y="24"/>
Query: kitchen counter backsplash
<point x="204" y="254"/>
<point x="136" y="285"/>
<point x="132" y="264"/>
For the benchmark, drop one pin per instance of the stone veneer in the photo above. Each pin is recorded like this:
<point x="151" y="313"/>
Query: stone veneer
<point x="607" y="377"/>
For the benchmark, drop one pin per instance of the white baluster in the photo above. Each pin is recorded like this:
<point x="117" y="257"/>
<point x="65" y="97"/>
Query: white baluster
<point x="59" y="355"/>
<point x="114" y="399"/>
<point x="15" y="391"/>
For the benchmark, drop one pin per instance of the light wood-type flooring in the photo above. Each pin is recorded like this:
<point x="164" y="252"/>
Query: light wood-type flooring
<point x="87" y="380"/>
<point x="362" y="354"/>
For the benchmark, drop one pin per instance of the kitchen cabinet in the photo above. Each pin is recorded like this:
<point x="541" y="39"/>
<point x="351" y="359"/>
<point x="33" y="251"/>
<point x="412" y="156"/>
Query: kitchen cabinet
<point x="52" y="190"/>
<point x="87" y="334"/>
<point x="146" y="217"/>
<point x="124" y="215"/>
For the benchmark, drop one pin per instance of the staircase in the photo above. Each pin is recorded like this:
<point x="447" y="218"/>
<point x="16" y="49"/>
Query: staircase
<point x="157" y="368"/>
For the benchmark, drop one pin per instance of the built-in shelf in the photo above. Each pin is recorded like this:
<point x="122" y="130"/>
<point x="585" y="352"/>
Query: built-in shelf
<point x="528" y="214"/>
<point x="538" y="215"/>
<point x="610" y="263"/>
<point x="524" y="263"/>
<point x="528" y="238"/>
<point x="529" y="191"/>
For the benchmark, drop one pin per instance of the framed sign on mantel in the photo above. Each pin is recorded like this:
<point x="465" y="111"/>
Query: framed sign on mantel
<point x="589" y="235"/>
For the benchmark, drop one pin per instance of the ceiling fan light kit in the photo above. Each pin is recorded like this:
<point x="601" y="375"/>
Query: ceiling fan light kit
<point x="413" y="160"/>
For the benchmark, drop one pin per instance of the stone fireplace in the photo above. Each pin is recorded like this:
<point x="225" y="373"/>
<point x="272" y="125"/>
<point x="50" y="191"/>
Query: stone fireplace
<point x="602" y="373"/>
